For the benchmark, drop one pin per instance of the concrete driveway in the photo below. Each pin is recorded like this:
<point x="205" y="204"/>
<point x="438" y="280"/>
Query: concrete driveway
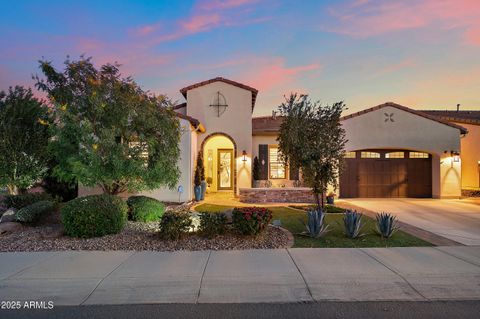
<point x="458" y="220"/>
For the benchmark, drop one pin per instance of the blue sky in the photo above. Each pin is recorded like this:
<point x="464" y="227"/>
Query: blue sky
<point x="423" y="54"/>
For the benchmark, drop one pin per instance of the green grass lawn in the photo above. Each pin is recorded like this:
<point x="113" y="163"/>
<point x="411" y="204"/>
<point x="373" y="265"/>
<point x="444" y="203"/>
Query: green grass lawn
<point x="292" y="220"/>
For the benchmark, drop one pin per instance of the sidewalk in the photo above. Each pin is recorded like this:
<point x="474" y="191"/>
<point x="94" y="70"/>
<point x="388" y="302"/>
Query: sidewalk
<point x="248" y="276"/>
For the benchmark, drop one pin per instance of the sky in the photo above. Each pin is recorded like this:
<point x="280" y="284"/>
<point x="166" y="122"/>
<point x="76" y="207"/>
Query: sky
<point x="421" y="54"/>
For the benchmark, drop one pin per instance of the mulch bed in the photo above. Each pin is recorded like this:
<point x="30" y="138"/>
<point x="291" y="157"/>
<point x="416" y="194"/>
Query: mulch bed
<point x="48" y="236"/>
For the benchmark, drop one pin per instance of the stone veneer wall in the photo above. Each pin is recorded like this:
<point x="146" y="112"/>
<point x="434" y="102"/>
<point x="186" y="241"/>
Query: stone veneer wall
<point x="277" y="195"/>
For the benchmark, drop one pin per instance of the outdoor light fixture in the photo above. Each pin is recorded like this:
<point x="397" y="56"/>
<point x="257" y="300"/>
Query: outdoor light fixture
<point x="454" y="155"/>
<point x="244" y="156"/>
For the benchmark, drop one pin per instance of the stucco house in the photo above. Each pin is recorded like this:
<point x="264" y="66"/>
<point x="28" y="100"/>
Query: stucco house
<point x="392" y="150"/>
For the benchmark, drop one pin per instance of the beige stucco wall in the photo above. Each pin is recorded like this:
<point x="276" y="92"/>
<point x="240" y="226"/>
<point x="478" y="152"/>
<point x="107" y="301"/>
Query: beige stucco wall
<point x="187" y="145"/>
<point x="470" y="156"/>
<point x="412" y="132"/>
<point x="236" y="121"/>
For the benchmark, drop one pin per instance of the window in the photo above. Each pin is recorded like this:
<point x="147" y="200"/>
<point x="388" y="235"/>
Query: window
<point x="276" y="166"/>
<point x="418" y="155"/>
<point x="370" y="155"/>
<point x="395" y="155"/>
<point x="350" y="155"/>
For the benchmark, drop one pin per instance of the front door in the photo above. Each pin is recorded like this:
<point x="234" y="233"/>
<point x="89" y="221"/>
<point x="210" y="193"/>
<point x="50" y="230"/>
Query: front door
<point x="225" y="169"/>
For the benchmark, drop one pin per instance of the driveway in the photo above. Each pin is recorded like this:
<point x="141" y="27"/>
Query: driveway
<point x="458" y="220"/>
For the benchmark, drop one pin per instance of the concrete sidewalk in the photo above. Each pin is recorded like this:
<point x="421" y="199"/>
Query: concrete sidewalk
<point x="245" y="276"/>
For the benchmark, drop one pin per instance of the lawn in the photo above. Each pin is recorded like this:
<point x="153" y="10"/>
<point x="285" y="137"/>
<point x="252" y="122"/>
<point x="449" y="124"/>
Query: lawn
<point x="292" y="220"/>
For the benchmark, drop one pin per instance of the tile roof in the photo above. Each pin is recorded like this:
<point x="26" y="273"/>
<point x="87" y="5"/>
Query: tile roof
<point x="193" y="121"/>
<point x="406" y="109"/>
<point x="179" y="106"/>
<point x="466" y="117"/>
<point x="220" y="79"/>
<point x="269" y="125"/>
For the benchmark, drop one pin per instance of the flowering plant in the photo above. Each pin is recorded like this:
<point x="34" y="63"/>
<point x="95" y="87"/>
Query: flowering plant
<point x="251" y="220"/>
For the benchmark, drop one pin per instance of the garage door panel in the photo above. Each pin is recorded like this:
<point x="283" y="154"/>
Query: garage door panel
<point x="386" y="177"/>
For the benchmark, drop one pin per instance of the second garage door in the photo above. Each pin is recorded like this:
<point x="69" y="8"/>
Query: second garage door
<point x="386" y="174"/>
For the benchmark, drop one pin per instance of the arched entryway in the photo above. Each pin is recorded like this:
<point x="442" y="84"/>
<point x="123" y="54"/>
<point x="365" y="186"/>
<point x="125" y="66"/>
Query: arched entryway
<point x="219" y="153"/>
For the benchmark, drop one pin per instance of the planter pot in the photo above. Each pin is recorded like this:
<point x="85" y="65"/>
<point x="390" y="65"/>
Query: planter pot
<point x="330" y="200"/>
<point x="198" y="193"/>
<point x="203" y="187"/>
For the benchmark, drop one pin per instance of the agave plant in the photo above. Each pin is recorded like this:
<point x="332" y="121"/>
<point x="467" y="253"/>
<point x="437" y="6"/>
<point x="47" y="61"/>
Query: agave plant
<point x="386" y="225"/>
<point x="316" y="226"/>
<point x="353" y="223"/>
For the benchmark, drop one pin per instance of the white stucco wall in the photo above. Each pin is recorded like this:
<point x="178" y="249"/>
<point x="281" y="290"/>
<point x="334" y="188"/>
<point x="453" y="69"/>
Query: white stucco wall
<point x="470" y="156"/>
<point x="412" y="132"/>
<point x="185" y="164"/>
<point x="236" y="121"/>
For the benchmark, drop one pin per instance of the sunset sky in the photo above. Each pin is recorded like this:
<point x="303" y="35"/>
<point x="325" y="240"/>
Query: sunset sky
<point x="422" y="54"/>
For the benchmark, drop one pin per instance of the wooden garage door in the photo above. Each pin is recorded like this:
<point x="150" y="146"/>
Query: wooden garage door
<point x="387" y="174"/>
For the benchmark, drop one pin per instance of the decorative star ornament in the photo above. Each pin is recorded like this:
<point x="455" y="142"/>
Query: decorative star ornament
<point x="389" y="117"/>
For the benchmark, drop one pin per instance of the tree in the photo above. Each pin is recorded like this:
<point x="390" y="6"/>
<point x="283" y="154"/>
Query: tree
<point x="24" y="135"/>
<point x="110" y="133"/>
<point x="312" y="138"/>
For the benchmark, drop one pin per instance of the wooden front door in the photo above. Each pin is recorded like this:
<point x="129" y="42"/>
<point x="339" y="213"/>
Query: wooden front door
<point x="225" y="169"/>
<point x="384" y="177"/>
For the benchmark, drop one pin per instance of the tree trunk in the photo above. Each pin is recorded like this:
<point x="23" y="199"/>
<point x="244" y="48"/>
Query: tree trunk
<point x="317" y="199"/>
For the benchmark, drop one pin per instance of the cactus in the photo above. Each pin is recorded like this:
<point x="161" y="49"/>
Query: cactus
<point x="316" y="226"/>
<point x="386" y="225"/>
<point x="352" y="221"/>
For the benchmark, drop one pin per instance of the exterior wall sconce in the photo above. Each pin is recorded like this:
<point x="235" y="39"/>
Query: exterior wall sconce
<point x="455" y="155"/>
<point x="244" y="156"/>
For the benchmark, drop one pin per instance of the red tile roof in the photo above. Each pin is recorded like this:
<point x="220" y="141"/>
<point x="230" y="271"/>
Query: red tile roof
<point x="179" y="106"/>
<point x="466" y="117"/>
<point x="217" y="79"/>
<point x="268" y="125"/>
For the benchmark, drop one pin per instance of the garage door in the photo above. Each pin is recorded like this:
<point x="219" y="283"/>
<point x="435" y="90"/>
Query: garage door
<point x="386" y="174"/>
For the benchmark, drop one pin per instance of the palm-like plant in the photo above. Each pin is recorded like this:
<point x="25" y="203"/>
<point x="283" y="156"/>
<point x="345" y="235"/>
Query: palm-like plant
<point x="352" y="220"/>
<point x="315" y="225"/>
<point x="386" y="225"/>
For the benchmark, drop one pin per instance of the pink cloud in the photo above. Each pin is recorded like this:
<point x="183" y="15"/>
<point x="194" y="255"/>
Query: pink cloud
<point x="146" y="29"/>
<point x="227" y="4"/>
<point x="372" y="18"/>
<point x="395" y="67"/>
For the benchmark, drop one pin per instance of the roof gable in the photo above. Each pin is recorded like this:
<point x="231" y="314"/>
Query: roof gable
<point x="220" y="79"/>
<point x="406" y="109"/>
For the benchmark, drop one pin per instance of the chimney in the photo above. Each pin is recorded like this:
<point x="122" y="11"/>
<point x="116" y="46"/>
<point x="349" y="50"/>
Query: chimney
<point x="274" y="115"/>
<point x="458" y="107"/>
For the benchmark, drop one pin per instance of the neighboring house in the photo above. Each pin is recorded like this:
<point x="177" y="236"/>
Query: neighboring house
<point x="392" y="150"/>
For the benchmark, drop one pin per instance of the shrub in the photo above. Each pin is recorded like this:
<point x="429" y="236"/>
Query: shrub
<point x="94" y="216"/>
<point x="174" y="225"/>
<point x="330" y="209"/>
<point x="31" y="213"/>
<point x="23" y="200"/>
<point x="212" y="224"/>
<point x="315" y="225"/>
<point x="386" y="225"/>
<point x="145" y="209"/>
<point x="353" y="223"/>
<point x="251" y="220"/>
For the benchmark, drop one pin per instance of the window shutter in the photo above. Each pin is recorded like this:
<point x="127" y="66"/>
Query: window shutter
<point x="263" y="159"/>
<point x="293" y="173"/>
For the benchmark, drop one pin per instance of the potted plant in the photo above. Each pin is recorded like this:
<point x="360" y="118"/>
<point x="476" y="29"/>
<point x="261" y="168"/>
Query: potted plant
<point x="203" y="182"/>
<point x="256" y="172"/>
<point x="197" y="182"/>
<point x="331" y="198"/>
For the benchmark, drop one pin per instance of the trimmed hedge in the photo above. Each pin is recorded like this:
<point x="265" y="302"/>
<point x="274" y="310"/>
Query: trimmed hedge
<point x="145" y="209"/>
<point x="175" y="225"/>
<point x="23" y="200"/>
<point x="212" y="224"/>
<point x="94" y="216"/>
<point x="32" y="213"/>
<point x="251" y="220"/>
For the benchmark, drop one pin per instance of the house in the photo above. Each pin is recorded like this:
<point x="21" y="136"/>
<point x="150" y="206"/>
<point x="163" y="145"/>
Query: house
<point x="392" y="150"/>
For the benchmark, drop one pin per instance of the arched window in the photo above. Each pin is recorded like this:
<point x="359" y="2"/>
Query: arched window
<point x="369" y="155"/>
<point x="395" y="155"/>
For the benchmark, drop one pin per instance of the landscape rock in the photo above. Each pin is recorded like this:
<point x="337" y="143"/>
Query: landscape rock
<point x="10" y="227"/>
<point x="8" y="216"/>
